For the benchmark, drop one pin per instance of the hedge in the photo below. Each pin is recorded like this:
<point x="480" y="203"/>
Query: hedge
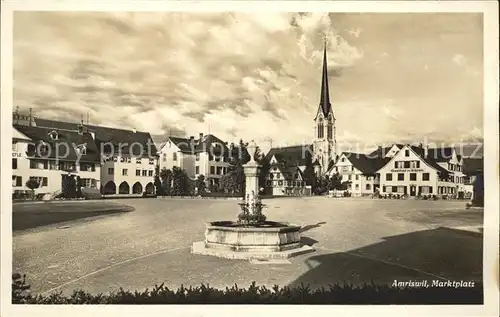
<point x="205" y="294"/>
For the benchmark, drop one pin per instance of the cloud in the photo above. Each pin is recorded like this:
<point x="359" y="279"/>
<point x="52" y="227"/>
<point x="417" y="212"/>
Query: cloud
<point x="250" y="76"/>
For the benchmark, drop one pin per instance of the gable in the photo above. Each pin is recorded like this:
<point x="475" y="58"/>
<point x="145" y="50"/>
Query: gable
<point x="16" y="134"/>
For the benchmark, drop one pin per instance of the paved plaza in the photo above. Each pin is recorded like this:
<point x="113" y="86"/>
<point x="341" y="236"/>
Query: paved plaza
<point x="356" y="241"/>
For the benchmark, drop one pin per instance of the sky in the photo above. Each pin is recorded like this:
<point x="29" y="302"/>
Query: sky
<point x="400" y="77"/>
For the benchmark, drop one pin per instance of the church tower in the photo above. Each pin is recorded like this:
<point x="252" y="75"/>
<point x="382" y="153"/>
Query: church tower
<point x="324" y="141"/>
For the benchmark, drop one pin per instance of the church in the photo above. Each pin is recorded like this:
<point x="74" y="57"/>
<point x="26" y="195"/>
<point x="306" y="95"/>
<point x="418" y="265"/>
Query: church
<point x="286" y="168"/>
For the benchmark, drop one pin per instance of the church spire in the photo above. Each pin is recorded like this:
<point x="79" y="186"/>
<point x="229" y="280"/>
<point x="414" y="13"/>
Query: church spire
<point x="325" y="93"/>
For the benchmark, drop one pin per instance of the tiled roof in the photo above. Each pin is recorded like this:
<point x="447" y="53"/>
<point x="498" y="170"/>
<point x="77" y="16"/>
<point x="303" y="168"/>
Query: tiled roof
<point x="429" y="159"/>
<point x="472" y="165"/>
<point x="294" y="155"/>
<point x="204" y="145"/>
<point x="64" y="148"/>
<point x="382" y="151"/>
<point x="440" y="154"/>
<point x="107" y="135"/>
<point x="365" y="163"/>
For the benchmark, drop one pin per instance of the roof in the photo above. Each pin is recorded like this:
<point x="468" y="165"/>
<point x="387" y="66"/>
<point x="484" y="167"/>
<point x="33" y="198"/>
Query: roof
<point x="382" y="151"/>
<point x="64" y="148"/>
<point x="209" y="143"/>
<point x="294" y="155"/>
<point x="324" y="102"/>
<point x="429" y="159"/>
<point x="107" y="135"/>
<point x="443" y="154"/>
<point x="366" y="164"/>
<point x="472" y="166"/>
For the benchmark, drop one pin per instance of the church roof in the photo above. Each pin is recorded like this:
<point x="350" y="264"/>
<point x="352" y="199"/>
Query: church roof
<point x="324" y="102"/>
<point x="290" y="155"/>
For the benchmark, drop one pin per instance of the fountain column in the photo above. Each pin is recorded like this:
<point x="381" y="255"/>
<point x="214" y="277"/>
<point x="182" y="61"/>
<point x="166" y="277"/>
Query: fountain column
<point x="251" y="171"/>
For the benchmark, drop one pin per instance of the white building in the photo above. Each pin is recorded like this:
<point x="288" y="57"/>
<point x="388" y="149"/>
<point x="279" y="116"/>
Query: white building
<point x="206" y="155"/>
<point x="359" y="172"/>
<point x="45" y="154"/>
<point x="417" y="170"/>
<point x="284" y="170"/>
<point x="125" y="159"/>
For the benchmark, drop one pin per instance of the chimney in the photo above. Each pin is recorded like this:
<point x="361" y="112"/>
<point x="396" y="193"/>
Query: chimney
<point x="201" y="136"/>
<point x="191" y="138"/>
<point x="30" y="117"/>
<point x="80" y="128"/>
<point x="426" y="151"/>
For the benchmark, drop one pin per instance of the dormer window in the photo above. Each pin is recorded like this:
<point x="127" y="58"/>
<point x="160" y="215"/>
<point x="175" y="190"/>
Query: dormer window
<point x="43" y="148"/>
<point x="82" y="149"/>
<point x="53" y="135"/>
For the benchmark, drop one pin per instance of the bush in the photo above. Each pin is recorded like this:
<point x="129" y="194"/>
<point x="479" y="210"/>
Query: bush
<point x="254" y="294"/>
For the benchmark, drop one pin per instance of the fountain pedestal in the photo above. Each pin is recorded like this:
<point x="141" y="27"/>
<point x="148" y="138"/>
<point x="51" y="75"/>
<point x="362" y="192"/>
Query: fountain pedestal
<point x="262" y="240"/>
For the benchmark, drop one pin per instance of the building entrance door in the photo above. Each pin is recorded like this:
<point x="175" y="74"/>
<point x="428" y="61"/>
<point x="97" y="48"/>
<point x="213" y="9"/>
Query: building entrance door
<point x="413" y="190"/>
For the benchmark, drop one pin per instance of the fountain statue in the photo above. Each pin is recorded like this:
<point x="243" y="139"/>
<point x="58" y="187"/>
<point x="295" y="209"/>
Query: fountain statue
<point x="251" y="236"/>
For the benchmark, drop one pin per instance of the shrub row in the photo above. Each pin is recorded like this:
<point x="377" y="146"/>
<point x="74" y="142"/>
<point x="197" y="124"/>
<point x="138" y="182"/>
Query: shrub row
<point x="204" y="294"/>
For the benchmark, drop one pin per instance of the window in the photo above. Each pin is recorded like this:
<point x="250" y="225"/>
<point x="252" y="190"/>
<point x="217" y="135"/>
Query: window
<point x="368" y="187"/>
<point x="45" y="181"/>
<point x="357" y="186"/>
<point x="14" y="164"/>
<point x="425" y="176"/>
<point x="330" y="130"/>
<point x="81" y="149"/>
<point x="86" y="182"/>
<point x="349" y="177"/>
<point x="87" y="167"/>
<point x="280" y="183"/>
<point x="53" y="135"/>
<point x="111" y="171"/>
<point x="407" y="164"/>
<point x="125" y="172"/>
<point x="401" y="176"/>
<point x="407" y="153"/>
<point x="388" y="177"/>
<point x="342" y="159"/>
<point x="394" y="189"/>
<point x="150" y="173"/>
<point x="138" y="160"/>
<point x="174" y="156"/>
<point x="212" y="169"/>
<point x="320" y="129"/>
<point x="413" y="176"/>
<point x="219" y="170"/>
<point x="197" y="156"/>
<point x="357" y="177"/>
<point x="278" y="175"/>
<point x="14" y="146"/>
<point x="137" y="172"/>
<point x="144" y="173"/>
<point x="352" y="168"/>
<point x="164" y="157"/>
<point x="197" y="170"/>
<point x="17" y="181"/>
<point x="151" y="161"/>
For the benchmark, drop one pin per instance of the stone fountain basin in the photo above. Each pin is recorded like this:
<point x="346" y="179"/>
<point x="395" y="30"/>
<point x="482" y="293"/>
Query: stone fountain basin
<point x="266" y="237"/>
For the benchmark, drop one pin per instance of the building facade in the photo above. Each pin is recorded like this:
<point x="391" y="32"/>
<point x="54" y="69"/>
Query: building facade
<point x="112" y="161"/>
<point x="206" y="155"/>
<point x="46" y="154"/>
<point x="418" y="170"/>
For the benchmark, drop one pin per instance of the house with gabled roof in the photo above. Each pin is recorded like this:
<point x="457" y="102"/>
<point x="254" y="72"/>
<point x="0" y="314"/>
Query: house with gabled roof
<point x="284" y="170"/>
<point x="122" y="161"/>
<point x="46" y="154"/>
<point x="418" y="170"/>
<point x="359" y="171"/>
<point x="205" y="155"/>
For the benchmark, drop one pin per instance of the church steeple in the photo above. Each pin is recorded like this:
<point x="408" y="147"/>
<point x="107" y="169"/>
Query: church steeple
<point x="324" y="102"/>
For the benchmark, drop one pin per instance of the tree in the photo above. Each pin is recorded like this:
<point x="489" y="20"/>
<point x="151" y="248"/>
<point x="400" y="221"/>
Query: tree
<point x="335" y="182"/>
<point x="309" y="175"/>
<point x="158" y="186"/>
<point x="178" y="181"/>
<point x="165" y="176"/>
<point x="200" y="185"/>
<point x="32" y="184"/>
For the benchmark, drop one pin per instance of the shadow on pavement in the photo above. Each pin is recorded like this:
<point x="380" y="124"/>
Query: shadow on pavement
<point x="309" y="227"/>
<point x="443" y="252"/>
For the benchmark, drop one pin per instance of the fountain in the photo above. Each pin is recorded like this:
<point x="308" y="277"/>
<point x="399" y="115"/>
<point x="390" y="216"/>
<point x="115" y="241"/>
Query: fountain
<point x="251" y="236"/>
